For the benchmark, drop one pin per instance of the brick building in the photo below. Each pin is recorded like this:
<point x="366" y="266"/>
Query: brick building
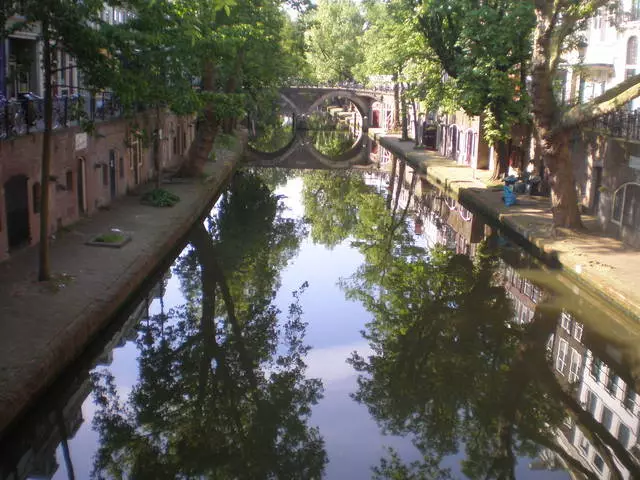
<point x="88" y="173"/>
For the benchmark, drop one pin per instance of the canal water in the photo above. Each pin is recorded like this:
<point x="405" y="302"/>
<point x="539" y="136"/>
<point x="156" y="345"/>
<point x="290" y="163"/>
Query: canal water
<point x="345" y="325"/>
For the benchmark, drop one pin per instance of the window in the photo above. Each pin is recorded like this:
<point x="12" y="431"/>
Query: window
<point x="69" y="181"/>
<point x="574" y="369"/>
<point x="175" y="145"/>
<point x="607" y="418"/>
<point x="596" y="368"/>
<point x="184" y="141"/>
<point x="577" y="331"/>
<point x="36" y="194"/>
<point x="105" y="175"/>
<point x="623" y="435"/>
<point x="566" y="322"/>
<point x="599" y="463"/>
<point x="635" y="10"/>
<point x="561" y="359"/>
<point x="121" y="167"/>
<point x="629" y="399"/>
<point x="592" y="403"/>
<point x="612" y="383"/>
<point x="584" y="446"/>
<point x="632" y="51"/>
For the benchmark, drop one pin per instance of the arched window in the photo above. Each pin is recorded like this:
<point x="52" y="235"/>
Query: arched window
<point x="626" y="206"/>
<point x="632" y="51"/>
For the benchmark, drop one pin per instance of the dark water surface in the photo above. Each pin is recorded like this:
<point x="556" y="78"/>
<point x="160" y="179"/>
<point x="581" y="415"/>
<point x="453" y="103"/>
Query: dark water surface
<point x="347" y="325"/>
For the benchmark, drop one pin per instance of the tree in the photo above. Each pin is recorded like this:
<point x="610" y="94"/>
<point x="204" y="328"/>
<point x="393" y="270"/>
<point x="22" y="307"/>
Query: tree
<point x="68" y="26"/>
<point x="484" y="47"/>
<point x="392" y="45"/>
<point x="333" y="40"/>
<point x="557" y="24"/>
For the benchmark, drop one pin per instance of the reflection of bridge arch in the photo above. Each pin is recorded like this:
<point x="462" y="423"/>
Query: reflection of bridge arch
<point x="300" y="153"/>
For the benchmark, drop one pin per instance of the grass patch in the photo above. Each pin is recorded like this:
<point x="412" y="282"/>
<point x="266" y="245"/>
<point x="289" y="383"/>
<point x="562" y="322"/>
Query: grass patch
<point x="110" y="238"/>
<point x="159" y="197"/>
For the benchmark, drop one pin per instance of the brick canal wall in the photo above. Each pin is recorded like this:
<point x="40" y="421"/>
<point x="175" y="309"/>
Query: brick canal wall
<point x="46" y="327"/>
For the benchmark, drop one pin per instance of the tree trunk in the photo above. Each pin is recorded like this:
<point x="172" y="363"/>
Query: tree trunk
<point x="416" y="124"/>
<point x="405" y="120"/>
<point x="564" y="199"/>
<point x="156" y="149"/>
<point x="554" y="143"/>
<point x="396" y="103"/>
<point x="207" y="130"/>
<point x="392" y="180"/>
<point x="44" y="269"/>
<point x="501" y="165"/>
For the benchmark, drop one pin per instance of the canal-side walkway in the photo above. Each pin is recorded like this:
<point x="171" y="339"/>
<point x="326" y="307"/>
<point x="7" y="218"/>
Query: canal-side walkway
<point x="590" y="258"/>
<point x="45" y="326"/>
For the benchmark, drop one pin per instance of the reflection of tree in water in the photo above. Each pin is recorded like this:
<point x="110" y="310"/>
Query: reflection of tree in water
<point x="449" y="367"/>
<point x="329" y="137"/>
<point x="271" y="131"/>
<point x="221" y="392"/>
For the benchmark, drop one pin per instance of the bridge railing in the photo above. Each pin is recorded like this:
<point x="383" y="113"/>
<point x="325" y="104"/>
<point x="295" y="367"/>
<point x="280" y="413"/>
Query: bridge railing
<point x="343" y="85"/>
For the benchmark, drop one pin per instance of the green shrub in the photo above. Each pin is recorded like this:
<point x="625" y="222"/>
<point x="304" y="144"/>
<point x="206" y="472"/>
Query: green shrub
<point x="159" y="197"/>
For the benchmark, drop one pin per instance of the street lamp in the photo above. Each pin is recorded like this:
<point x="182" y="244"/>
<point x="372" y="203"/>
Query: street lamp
<point x="582" y="50"/>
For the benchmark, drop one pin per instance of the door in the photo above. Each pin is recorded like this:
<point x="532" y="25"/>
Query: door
<point x="80" y="179"/>
<point x="597" y="183"/>
<point x="17" y="204"/>
<point x="112" y="174"/>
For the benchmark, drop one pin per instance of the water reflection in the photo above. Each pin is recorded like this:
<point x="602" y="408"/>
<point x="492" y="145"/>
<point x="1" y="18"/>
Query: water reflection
<point x="468" y="354"/>
<point x="222" y="391"/>
<point x="470" y="351"/>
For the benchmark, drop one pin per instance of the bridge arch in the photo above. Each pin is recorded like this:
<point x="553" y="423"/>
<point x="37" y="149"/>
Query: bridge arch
<point x="291" y="103"/>
<point x="361" y="104"/>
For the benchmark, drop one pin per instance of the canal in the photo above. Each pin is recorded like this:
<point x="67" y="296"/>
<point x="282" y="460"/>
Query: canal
<point x="345" y="325"/>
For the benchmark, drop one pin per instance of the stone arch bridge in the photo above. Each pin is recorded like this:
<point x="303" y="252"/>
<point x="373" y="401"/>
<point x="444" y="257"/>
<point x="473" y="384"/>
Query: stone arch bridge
<point x="300" y="152"/>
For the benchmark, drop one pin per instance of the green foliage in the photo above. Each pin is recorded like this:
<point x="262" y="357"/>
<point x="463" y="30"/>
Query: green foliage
<point x="331" y="143"/>
<point x="159" y="197"/>
<point x="335" y="28"/>
<point x="485" y="48"/>
<point x="110" y="238"/>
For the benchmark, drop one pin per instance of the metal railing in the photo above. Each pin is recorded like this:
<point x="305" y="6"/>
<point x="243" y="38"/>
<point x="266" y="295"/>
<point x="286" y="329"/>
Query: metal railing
<point x="25" y="115"/>
<point x="343" y="85"/>
<point x="622" y="124"/>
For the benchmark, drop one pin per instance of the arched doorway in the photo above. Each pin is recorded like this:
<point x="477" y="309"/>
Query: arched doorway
<point x="16" y="200"/>
<point x="81" y="179"/>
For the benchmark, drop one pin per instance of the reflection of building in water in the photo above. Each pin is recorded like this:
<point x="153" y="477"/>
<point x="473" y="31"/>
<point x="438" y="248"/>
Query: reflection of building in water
<point x="522" y="292"/>
<point x="31" y="452"/>
<point x="601" y="391"/>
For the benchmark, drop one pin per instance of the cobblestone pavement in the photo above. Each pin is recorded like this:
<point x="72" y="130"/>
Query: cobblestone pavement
<point x="44" y="326"/>
<point x="605" y="265"/>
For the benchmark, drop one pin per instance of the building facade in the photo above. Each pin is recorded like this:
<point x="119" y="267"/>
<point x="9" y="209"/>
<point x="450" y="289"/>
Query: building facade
<point x="88" y="170"/>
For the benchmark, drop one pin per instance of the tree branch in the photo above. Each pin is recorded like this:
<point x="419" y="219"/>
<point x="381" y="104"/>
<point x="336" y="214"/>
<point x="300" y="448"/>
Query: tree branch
<point x="609" y="101"/>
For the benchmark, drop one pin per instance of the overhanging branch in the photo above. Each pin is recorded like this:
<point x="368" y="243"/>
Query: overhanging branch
<point x="611" y="100"/>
